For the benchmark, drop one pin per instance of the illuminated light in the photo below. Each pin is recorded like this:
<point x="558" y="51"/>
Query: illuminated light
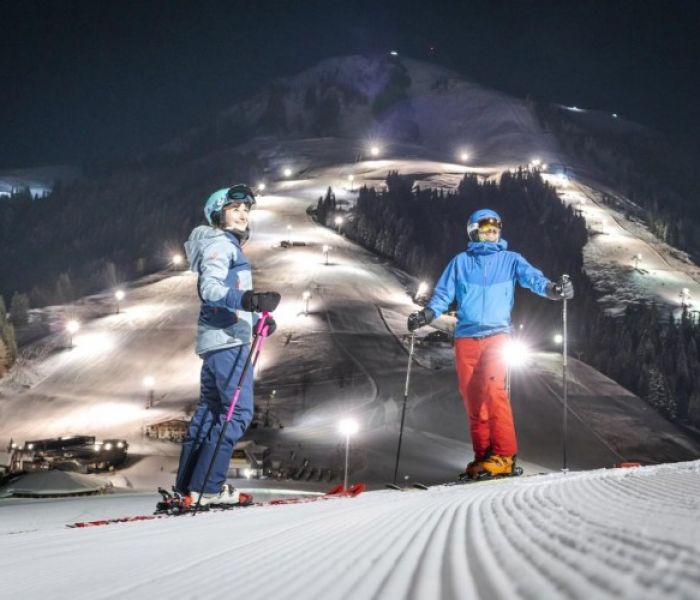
<point x="149" y="381"/>
<point x="558" y="338"/>
<point x="119" y="295"/>
<point x="120" y="444"/>
<point x="394" y="53"/>
<point x="348" y="427"/>
<point x="544" y="166"/>
<point x="614" y="115"/>
<point x="261" y="187"/>
<point x="374" y="150"/>
<point x="351" y="178"/>
<point x="339" y="221"/>
<point x="536" y="162"/>
<point x="177" y="259"/>
<point x="30" y="446"/>
<point x="108" y="446"/>
<point x="287" y="172"/>
<point x="515" y="353"/>
<point x="247" y="473"/>
<point x="422" y="288"/>
<point x="72" y="326"/>
<point x="306" y="295"/>
<point x="464" y="157"/>
<point x="97" y="447"/>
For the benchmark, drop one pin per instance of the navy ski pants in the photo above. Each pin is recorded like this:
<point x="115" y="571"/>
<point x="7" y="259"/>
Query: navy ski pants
<point x="221" y="372"/>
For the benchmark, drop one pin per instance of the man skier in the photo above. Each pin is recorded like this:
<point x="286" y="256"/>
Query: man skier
<point x="224" y="333"/>
<point x="482" y="281"/>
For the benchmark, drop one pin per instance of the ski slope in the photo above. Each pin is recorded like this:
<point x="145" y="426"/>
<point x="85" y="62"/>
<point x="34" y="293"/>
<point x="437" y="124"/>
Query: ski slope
<point x="623" y="533"/>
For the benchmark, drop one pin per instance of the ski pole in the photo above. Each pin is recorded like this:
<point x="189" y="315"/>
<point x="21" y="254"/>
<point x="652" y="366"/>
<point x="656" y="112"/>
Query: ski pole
<point x="565" y="379"/>
<point x="405" y="399"/>
<point x="252" y="358"/>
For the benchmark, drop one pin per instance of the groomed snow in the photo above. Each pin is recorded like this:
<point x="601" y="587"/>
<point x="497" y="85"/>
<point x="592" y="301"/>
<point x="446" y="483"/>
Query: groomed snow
<point x="623" y="533"/>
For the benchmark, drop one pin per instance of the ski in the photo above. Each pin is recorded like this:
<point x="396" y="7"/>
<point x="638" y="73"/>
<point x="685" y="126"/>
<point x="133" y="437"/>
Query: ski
<point x="174" y="505"/>
<point x="462" y="478"/>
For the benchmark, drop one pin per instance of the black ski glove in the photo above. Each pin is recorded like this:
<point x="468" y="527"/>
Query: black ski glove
<point x="270" y="326"/>
<point x="420" y="318"/>
<point x="260" y="301"/>
<point x="562" y="290"/>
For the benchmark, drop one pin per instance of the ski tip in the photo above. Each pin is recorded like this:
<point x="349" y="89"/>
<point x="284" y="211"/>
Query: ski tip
<point x="392" y="486"/>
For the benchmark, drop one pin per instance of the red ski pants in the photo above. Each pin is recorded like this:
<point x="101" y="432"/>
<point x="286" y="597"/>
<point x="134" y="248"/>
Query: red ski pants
<point x="481" y="370"/>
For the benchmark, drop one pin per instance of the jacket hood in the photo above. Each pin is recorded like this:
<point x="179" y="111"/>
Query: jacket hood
<point x="200" y="238"/>
<point x="487" y="247"/>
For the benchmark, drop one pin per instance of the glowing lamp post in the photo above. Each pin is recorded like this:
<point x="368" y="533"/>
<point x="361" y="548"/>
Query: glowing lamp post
<point x="149" y="383"/>
<point x="306" y="296"/>
<point x="422" y="290"/>
<point x="351" y="179"/>
<point x="287" y="172"/>
<point x="347" y="427"/>
<point x="464" y="157"/>
<point x="338" y="223"/>
<point x="685" y="297"/>
<point x="261" y="187"/>
<point x="72" y="328"/>
<point x="515" y="354"/>
<point x="326" y="250"/>
<point x="558" y="339"/>
<point x="374" y="151"/>
<point x="119" y="296"/>
<point x="177" y="260"/>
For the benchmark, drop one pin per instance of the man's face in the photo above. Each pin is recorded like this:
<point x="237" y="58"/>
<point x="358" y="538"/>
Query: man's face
<point x="489" y="233"/>
<point x="236" y="216"/>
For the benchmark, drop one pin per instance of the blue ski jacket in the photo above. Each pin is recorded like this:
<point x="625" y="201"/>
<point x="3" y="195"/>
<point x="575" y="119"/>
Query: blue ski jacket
<point x="224" y="275"/>
<point x="482" y="281"/>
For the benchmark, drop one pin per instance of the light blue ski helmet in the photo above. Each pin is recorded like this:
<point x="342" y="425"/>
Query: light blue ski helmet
<point x="480" y="217"/>
<point x="239" y="193"/>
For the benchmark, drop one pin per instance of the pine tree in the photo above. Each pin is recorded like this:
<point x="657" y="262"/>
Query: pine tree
<point x="19" y="309"/>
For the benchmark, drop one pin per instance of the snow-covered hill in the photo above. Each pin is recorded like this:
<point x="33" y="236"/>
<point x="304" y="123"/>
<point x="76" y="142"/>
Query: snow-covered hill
<point x="385" y="100"/>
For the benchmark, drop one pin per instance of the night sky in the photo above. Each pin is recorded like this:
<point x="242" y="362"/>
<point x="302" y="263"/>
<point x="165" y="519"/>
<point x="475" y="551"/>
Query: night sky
<point x="99" y="80"/>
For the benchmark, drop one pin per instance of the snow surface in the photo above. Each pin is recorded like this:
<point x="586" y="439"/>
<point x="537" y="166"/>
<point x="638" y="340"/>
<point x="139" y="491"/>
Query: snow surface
<point x="622" y="533"/>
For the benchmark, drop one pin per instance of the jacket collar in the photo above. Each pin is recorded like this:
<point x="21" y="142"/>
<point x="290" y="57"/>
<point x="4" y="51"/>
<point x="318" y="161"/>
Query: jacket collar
<point x="487" y="247"/>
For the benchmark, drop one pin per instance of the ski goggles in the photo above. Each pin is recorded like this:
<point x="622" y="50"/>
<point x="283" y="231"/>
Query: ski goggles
<point x="489" y="224"/>
<point x="240" y="194"/>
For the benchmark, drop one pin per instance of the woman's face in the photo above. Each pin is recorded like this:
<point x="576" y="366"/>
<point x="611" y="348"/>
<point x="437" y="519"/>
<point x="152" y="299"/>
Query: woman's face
<point x="236" y="216"/>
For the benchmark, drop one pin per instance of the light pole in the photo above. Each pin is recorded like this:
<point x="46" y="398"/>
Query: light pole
<point x="326" y="250"/>
<point x="351" y="178"/>
<point x="685" y="297"/>
<point x="72" y="327"/>
<point x="347" y="427"/>
<point x="515" y="354"/>
<point x="306" y="296"/>
<point x="149" y="383"/>
<point x="339" y="223"/>
<point x="422" y="290"/>
<point x="119" y="296"/>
